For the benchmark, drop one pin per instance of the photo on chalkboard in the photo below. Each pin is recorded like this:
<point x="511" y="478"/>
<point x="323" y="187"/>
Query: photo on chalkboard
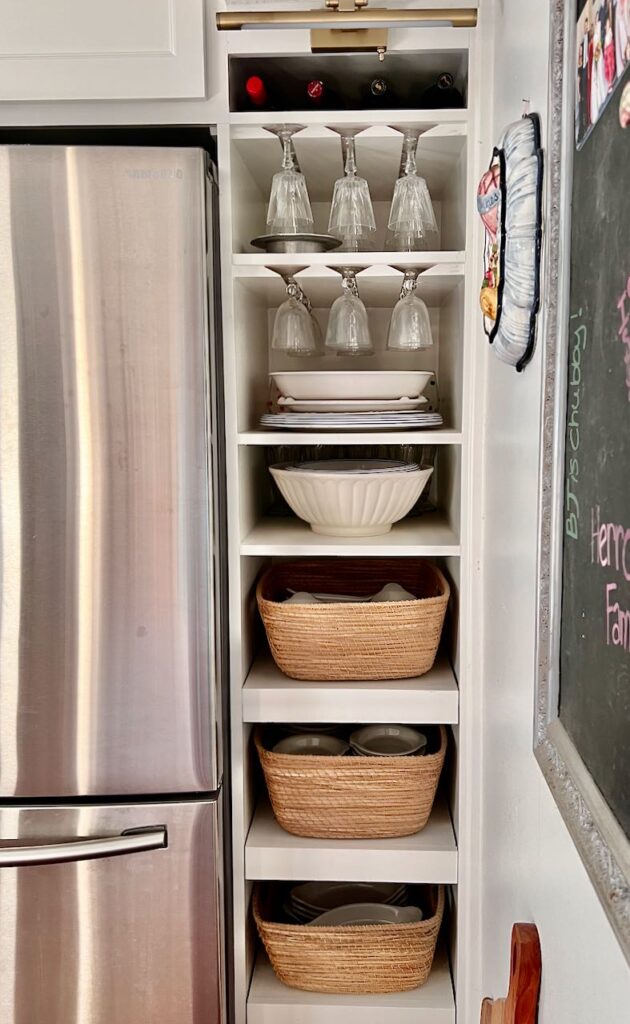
<point x="582" y="716"/>
<point x="602" y="53"/>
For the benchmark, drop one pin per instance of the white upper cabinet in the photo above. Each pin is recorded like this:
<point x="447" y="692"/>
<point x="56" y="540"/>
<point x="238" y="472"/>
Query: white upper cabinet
<point x="101" y="49"/>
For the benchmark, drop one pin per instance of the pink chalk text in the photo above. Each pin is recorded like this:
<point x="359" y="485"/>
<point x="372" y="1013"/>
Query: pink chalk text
<point x="610" y="549"/>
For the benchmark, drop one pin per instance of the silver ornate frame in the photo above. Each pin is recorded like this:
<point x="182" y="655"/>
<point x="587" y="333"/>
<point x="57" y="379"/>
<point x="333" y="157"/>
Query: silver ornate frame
<point x="601" y="842"/>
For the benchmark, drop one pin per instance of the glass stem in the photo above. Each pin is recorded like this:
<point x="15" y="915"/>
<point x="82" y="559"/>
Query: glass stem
<point x="287" y="154"/>
<point x="350" y="166"/>
<point x="411" y="145"/>
<point x="349" y="283"/>
<point x="410" y="281"/>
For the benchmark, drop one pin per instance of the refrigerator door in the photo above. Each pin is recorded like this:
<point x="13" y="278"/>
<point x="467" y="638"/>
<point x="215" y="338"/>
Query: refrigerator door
<point x="110" y="935"/>
<point x="106" y="645"/>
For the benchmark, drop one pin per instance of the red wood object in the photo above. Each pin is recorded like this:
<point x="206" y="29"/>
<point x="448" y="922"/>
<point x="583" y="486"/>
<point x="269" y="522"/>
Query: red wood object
<point x="521" y="1005"/>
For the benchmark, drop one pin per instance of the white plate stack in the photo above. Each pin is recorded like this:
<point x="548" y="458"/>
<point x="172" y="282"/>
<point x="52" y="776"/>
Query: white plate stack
<point x="346" y="400"/>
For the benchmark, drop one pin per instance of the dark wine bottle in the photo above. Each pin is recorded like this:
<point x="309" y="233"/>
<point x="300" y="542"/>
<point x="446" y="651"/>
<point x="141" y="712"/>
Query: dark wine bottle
<point x="442" y="94"/>
<point x="378" y="93"/>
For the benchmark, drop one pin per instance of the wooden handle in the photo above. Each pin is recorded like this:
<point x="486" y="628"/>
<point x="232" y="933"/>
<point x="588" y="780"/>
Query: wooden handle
<point x="521" y="1005"/>
<point x="492" y="1011"/>
<point x="525" y="972"/>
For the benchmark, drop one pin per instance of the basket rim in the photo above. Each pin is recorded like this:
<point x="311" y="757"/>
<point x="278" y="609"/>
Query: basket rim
<point x="334" y="605"/>
<point x="333" y="760"/>
<point x="425" y="924"/>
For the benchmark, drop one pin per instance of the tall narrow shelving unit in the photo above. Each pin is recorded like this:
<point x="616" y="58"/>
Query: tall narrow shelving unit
<point x="252" y="290"/>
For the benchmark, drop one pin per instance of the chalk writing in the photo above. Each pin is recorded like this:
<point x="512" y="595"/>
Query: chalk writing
<point x="624" y="332"/>
<point x="572" y="505"/>
<point x="617" y="621"/>
<point x="610" y="544"/>
<point x="610" y="549"/>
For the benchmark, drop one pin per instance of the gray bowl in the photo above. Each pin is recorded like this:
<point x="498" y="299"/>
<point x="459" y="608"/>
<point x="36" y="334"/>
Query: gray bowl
<point x="388" y="741"/>
<point x="312" y="743"/>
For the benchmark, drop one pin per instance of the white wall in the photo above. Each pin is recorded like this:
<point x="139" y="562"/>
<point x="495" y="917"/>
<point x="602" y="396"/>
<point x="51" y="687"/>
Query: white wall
<point x="532" y="871"/>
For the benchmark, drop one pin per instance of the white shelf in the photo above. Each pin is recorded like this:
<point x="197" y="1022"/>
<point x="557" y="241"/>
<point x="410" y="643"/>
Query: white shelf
<point x="248" y="124"/>
<point x="270" y="696"/>
<point x="348" y="259"/>
<point x="279" y="437"/>
<point x="379" y="285"/>
<point x="375" y="124"/>
<point x="428" y="535"/>
<point x="271" y="1002"/>
<point x="429" y="856"/>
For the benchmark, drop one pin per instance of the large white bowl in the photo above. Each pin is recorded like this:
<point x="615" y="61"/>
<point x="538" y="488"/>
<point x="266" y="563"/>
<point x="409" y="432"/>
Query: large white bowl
<point x="329" y="385"/>
<point x="339" y="504"/>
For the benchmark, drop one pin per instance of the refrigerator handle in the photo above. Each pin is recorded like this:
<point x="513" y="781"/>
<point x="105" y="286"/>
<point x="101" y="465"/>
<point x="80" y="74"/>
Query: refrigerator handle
<point x="130" y="841"/>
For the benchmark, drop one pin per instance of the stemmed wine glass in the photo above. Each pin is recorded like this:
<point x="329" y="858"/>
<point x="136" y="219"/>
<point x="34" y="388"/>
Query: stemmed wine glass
<point x="412" y="225"/>
<point x="348" y="332"/>
<point x="409" y="327"/>
<point x="289" y="211"/>
<point x="351" y="213"/>
<point x="295" y="329"/>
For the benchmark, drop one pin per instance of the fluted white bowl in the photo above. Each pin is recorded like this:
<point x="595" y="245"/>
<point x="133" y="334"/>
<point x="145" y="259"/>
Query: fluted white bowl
<point x="341" y="504"/>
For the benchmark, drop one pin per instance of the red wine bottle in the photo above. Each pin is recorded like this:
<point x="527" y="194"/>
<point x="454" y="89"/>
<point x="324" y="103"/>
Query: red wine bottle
<point x="442" y="94"/>
<point x="257" y="93"/>
<point x="319" y="94"/>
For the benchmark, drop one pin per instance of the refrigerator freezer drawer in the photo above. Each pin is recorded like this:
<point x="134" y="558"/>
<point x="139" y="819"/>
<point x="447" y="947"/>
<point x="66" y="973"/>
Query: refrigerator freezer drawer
<point x="106" y="642"/>
<point x="110" y="936"/>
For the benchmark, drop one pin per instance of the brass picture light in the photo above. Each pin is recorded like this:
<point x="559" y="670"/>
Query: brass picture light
<point x="346" y="25"/>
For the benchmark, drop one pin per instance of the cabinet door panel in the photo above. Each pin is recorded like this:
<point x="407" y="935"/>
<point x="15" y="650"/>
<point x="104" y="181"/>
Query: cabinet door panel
<point x="91" y="50"/>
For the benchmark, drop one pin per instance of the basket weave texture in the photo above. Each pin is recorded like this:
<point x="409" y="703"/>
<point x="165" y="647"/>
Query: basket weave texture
<point x="352" y="797"/>
<point x="352" y="959"/>
<point x="351" y="640"/>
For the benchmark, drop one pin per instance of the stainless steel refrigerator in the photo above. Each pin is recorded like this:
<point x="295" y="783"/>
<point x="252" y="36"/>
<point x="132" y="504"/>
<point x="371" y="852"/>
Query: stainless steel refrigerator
<point x="111" y="879"/>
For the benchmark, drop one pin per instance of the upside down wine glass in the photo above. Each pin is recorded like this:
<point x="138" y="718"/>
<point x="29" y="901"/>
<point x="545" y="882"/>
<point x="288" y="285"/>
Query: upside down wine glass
<point x="351" y="213"/>
<point x="289" y="211"/>
<point x="348" y="332"/>
<point x="295" y="329"/>
<point x="409" y="327"/>
<point x="412" y="225"/>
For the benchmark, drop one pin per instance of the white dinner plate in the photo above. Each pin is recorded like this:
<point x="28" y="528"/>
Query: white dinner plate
<point x="351" y="421"/>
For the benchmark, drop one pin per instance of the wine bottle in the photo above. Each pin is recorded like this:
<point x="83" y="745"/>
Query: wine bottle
<point x="257" y="92"/>
<point x="378" y="93"/>
<point x="319" y="94"/>
<point x="442" y="94"/>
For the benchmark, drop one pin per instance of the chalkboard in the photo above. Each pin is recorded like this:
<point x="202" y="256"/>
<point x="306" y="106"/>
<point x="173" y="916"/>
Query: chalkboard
<point x="595" y="619"/>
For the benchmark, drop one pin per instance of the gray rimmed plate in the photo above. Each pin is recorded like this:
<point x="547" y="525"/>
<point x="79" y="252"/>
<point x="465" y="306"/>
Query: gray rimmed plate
<point x="368" y="913"/>
<point x="296" y="243"/>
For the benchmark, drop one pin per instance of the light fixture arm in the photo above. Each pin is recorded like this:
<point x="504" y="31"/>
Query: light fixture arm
<point x="359" y="16"/>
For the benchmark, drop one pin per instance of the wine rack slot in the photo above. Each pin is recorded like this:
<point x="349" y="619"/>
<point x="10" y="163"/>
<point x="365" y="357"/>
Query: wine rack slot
<point x="403" y="81"/>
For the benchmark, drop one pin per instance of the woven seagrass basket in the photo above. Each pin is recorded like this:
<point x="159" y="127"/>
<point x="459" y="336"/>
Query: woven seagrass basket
<point x="353" y="797"/>
<point x="351" y="640"/>
<point x="347" y="959"/>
